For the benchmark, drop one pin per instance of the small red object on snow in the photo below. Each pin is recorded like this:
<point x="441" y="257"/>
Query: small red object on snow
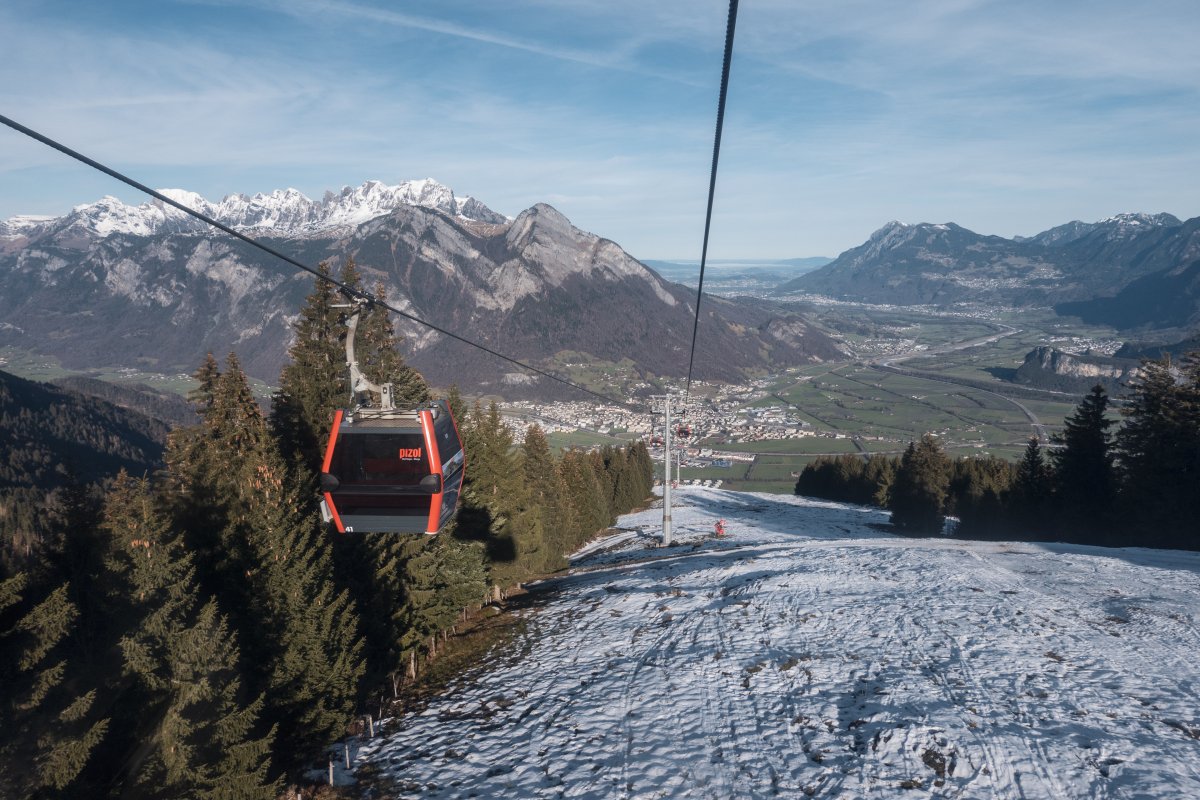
<point x="720" y="527"/>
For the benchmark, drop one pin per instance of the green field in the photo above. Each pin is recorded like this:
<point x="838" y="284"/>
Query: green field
<point x="586" y="439"/>
<point x="859" y="399"/>
<point x="957" y="393"/>
<point x="46" y="368"/>
<point x="807" y="445"/>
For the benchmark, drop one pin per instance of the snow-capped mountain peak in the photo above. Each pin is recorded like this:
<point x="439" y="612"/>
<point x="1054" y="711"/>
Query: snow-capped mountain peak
<point x="20" y="225"/>
<point x="887" y="229"/>
<point x="1124" y="226"/>
<point x="109" y="215"/>
<point x="1141" y="220"/>
<point x="190" y="199"/>
<point x="282" y="212"/>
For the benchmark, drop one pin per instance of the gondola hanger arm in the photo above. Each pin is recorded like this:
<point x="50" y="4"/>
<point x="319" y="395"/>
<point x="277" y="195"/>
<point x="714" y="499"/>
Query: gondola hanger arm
<point x="359" y="383"/>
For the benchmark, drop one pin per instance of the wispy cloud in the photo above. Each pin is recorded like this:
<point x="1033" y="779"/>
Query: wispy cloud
<point x="309" y="8"/>
<point x="1003" y="116"/>
<point x="615" y="53"/>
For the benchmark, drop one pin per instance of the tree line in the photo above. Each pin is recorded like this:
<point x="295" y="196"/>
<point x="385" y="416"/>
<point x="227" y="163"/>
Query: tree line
<point x="200" y="633"/>
<point x="1132" y="481"/>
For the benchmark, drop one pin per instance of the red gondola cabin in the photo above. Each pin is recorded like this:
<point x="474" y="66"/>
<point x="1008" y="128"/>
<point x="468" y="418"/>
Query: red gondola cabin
<point x="392" y="471"/>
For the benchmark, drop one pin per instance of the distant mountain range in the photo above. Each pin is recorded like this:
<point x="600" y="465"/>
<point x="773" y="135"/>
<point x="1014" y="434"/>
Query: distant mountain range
<point x="1130" y="271"/>
<point x="149" y="287"/>
<point x="284" y="212"/>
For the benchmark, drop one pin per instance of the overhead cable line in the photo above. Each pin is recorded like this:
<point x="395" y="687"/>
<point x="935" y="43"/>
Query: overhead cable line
<point x="349" y="291"/>
<point x="712" y="182"/>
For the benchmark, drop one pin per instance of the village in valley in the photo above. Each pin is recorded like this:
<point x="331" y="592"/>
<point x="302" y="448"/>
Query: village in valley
<point x="705" y="433"/>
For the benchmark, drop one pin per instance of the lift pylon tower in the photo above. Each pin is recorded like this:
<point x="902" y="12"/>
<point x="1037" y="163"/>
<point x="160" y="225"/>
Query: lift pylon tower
<point x="666" y="526"/>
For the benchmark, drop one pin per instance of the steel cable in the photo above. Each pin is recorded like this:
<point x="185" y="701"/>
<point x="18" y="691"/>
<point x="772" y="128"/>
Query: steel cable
<point x="712" y="184"/>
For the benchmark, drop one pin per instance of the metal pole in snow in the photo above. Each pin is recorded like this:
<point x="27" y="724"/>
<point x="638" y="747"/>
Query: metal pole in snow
<point x="667" y="474"/>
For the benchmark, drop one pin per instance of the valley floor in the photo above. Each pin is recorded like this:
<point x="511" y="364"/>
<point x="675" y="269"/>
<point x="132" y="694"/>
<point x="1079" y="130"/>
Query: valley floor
<point x="807" y="653"/>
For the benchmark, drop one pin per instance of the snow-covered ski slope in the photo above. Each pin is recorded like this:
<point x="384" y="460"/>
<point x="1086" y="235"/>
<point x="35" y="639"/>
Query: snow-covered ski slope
<point x="809" y="654"/>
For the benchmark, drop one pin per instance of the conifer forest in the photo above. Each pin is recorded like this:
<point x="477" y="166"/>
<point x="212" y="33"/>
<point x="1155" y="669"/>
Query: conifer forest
<point x="1117" y="481"/>
<point x="194" y="630"/>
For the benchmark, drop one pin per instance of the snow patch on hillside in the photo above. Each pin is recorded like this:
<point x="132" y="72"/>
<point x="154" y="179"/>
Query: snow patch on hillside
<point x="809" y="653"/>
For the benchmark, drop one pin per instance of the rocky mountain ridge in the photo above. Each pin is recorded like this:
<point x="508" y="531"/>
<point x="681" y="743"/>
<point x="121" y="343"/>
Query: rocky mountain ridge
<point x="1115" y="227"/>
<point x="1050" y="368"/>
<point x="531" y="287"/>
<point x="283" y="212"/>
<point x="1077" y="263"/>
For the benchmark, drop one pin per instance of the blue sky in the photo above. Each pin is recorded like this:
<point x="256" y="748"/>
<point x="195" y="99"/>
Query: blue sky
<point x="1005" y="117"/>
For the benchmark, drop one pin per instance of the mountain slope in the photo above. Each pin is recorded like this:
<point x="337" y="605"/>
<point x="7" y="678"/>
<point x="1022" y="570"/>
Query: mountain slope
<point x="166" y="407"/>
<point x="1154" y="351"/>
<point x="52" y="435"/>
<point x="947" y="264"/>
<point x="1169" y="298"/>
<point x="918" y="264"/>
<point x="809" y="654"/>
<point x="531" y="287"/>
<point x="540" y="286"/>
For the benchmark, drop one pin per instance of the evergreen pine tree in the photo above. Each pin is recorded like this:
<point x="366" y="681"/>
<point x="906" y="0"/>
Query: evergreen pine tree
<point x="1083" y="471"/>
<point x="315" y="381"/>
<point x="444" y="577"/>
<point x="643" y="469"/>
<point x="879" y="474"/>
<point x="848" y="478"/>
<point x="625" y="483"/>
<point x="235" y="419"/>
<point x="381" y="602"/>
<point x="209" y="468"/>
<point x="588" y="502"/>
<point x="199" y="479"/>
<point x="976" y="492"/>
<point x="548" y="498"/>
<point x="604" y="479"/>
<point x="1158" y="452"/>
<point x="919" y="491"/>
<point x="495" y="505"/>
<point x="845" y="478"/>
<point x="75" y="555"/>
<point x="206" y="376"/>
<point x="306" y="628"/>
<point x="458" y="406"/>
<point x="1028" y="499"/>
<point x="260" y="548"/>
<point x="196" y="735"/>
<point x="539" y="464"/>
<point x="48" y="726"/>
